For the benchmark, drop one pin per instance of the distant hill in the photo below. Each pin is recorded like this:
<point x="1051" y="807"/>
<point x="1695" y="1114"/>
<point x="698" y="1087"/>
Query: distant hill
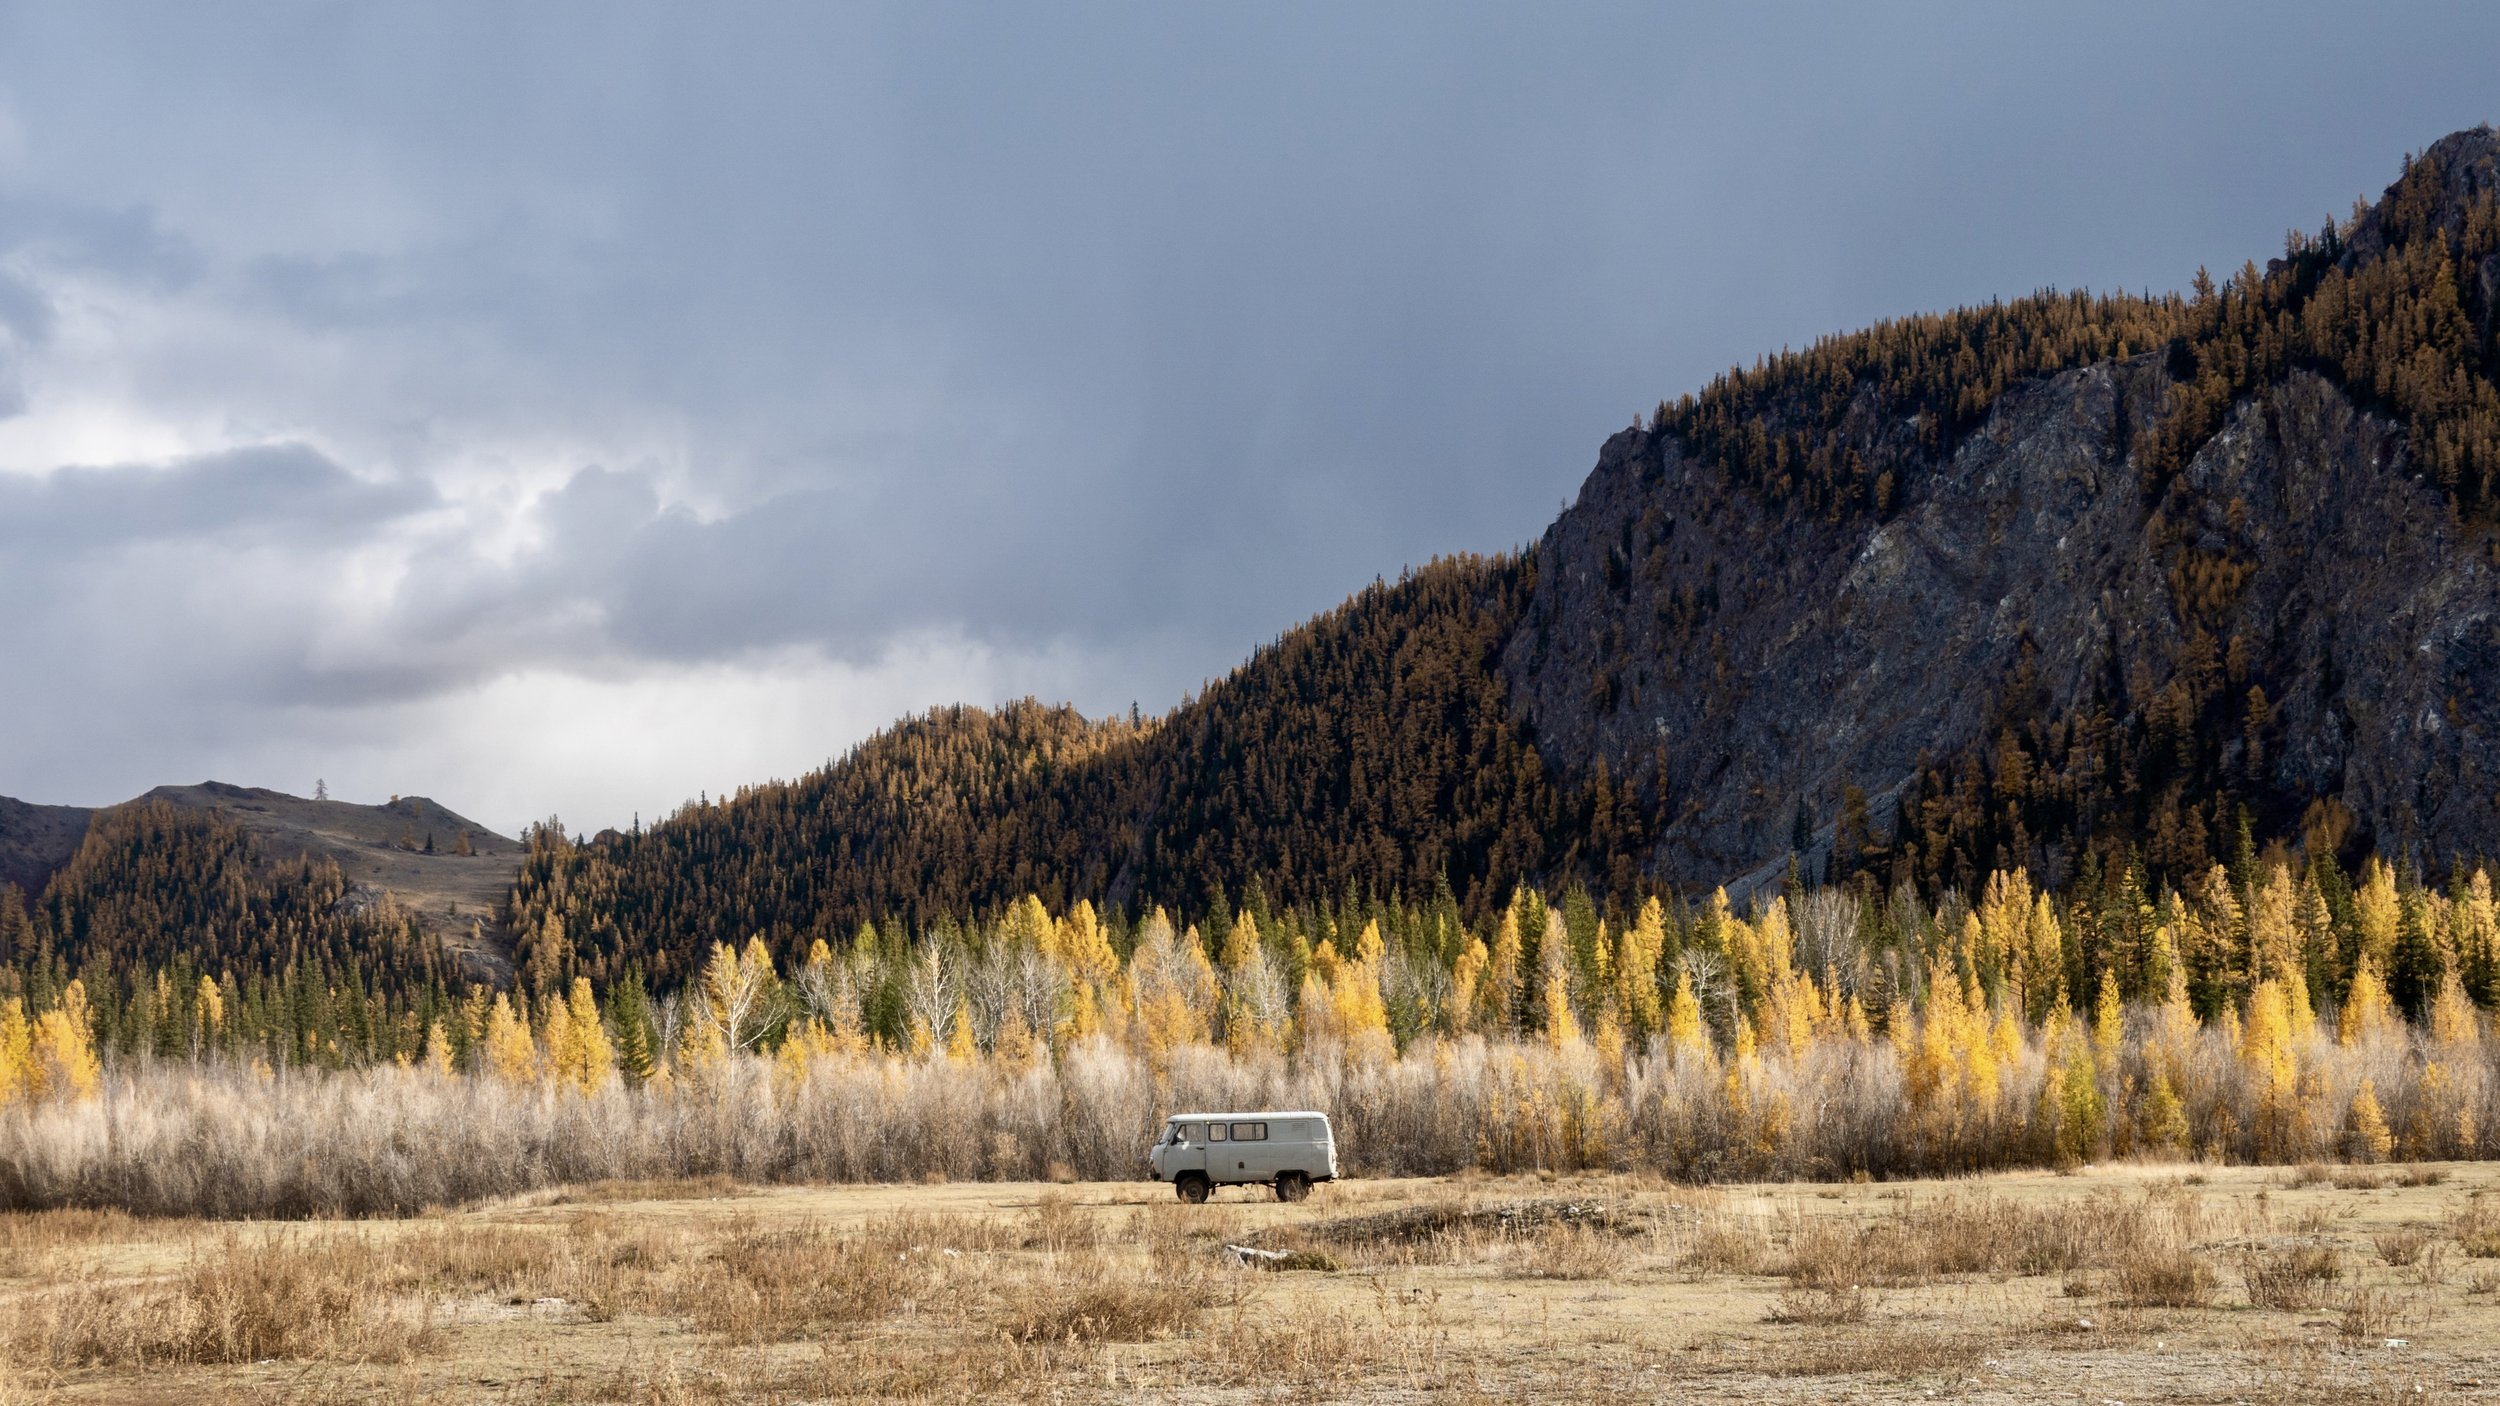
<point x="36" y="840"/>
<point x="453" y="897"/>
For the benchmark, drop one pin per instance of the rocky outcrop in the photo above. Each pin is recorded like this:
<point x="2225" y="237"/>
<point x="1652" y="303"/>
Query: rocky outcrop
<point x="1683" y="629"/>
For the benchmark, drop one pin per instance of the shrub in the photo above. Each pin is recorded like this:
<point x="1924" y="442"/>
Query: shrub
<point x="2162" y="1276"/>
<point x="2291" y="1279"/>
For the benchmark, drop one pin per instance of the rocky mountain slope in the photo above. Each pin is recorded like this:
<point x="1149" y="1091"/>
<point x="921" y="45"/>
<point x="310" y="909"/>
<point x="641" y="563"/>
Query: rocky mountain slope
<point x="2047" y="631"/>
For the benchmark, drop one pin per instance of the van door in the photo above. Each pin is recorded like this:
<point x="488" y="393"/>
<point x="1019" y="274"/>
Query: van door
<point x="1254" y="1151"/>
<point x="1188" y="1153"/>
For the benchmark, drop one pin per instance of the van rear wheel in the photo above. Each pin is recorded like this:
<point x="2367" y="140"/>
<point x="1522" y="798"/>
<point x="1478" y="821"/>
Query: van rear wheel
<point x="1192" y="1187"/>
<point x="1292" y="1186"/>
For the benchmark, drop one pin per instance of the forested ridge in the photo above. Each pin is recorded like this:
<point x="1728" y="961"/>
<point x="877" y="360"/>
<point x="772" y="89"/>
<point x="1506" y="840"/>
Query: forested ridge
<point x="1379" y="755"/>
<point x="1370" y="752"/>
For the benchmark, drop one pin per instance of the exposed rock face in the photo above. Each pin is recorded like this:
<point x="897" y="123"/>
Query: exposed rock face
<point x="1840" y="653"/>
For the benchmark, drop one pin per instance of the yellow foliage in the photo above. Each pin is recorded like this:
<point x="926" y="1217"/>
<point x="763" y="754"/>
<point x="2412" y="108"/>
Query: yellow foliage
<point x="2366" y="1136"/>
<point x="2304" y="1015"/>
<point x="2267" y="1051"/>
<point x="1348" y="1007"/>
<point x="1464" y="979"/>
<point x="64" y="1061"/>
<point x="1796" y="1014"/>
<point x="2006" y="1039"/>
<point x="1497" y="994"/>
<point x="510" y="1056"/>
<point x="1355" y="994"/>
<point x="2273" y="937"/>
<point x="1325" y="961"/>
<point x="1172" y="990"/>
<point x="1028" y="924"/>
<point x="791" y="1061"/>
<point x="2375" y="904"/>
<point x="1241" y="944"/>
<point x="2454" y="1022"/>
<point x="1932" y="1067"/>
<point x="208" y="1011"/>
<point x="1014" y="1047"/>
<point x="2368" y="1012"/>
<point x="1610" y="1044"/>
<point x="579" y="1053"/>
<point x="2081" y="1107"/>
<point x="1084" y="945"/>
<point x="438" y="1051"/>
<point x="1084" y="1013"/>
<point x="2109" y="1027"/>
<point x="2165" y="1125"/>
<point x="1637" y="954"/>
<point x="17" y="1053"/>
<point x="960" y="1046"/>
<point x="1687" y="1037"/>
<point x="1562" y="1028"/>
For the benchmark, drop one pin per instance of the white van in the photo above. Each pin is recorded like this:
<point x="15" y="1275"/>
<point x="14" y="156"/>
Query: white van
<point x="1201" y="1151"/>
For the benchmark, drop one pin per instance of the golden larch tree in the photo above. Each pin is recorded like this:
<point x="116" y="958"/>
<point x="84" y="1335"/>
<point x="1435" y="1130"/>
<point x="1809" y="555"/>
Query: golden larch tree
<point x="17" y="1052"/>
<point x="64" y="1049"/>
<point x="2368" y="1012"/>
<point x="510" y="1055"/>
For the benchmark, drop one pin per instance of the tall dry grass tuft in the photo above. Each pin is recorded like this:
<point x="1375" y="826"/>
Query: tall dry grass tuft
<point x="235" y="1300"/>
<point x="2296" y="1278"/>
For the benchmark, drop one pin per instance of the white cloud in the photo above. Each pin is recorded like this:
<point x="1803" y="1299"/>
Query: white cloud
<point x="594" y="746"/>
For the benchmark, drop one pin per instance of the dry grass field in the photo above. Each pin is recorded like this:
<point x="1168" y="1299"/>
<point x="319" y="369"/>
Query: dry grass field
<point x="2122" y="1284"/>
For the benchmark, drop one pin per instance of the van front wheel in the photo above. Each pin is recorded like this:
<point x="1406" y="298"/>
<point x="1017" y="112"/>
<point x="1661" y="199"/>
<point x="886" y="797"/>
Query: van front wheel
<point x="1192" y="1187"/>
<point x="1293" y="1186"/>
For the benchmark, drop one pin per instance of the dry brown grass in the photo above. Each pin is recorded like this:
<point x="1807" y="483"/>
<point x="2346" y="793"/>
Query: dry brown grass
<point x="2476" y="1227"/>
<point x="236" y="1300"/>
<point x="2401" y="1247"/>
<point x="2290" y="1279"/>
<point x="716" y="1186"/>
<point x="2371" y="1315"/>
<point x="1564" y="1251"/>
<point x="1822" y="1305"/>
<point x="1106" y="1308"/>
<point x="1900" y="1351"/>
<point x="1487" y="1290"/>
<point x="2163" y="1276"/>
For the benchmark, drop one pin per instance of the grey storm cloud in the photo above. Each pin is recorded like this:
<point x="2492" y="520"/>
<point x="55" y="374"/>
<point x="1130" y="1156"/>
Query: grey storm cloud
<point x="356" y="362"/>
<point x="275" y="488"/>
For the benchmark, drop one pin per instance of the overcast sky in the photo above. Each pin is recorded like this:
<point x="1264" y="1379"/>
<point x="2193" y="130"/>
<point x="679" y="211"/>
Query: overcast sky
<point x="570" y="408"/>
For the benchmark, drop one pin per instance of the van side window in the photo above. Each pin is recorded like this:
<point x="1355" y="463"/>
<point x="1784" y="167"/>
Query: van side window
<point x="1249" y="1132"/>
<point x="1190" y="1133"/>
<point x="1215" y="1132"/>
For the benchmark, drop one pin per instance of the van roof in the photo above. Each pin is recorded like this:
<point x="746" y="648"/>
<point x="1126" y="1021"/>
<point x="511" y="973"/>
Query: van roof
<point x="1248" y="1113"/>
